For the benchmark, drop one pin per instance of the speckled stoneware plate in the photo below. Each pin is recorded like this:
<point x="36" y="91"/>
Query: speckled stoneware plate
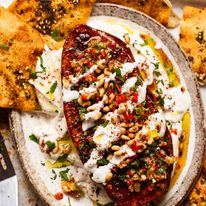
<point x="183" y="185"/>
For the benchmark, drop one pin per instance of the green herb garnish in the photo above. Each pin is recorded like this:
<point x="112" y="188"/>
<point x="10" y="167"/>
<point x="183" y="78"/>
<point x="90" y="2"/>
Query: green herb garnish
<point x="42" y="64"/>
<point x="105" y="123"/>
<point x="53" y="87"/>
<point x="82" y="110"/>
<point x="33" y="138"/>
<point x="102" y="162"/>
<point x="51" y="145"/>
<point x="63" y="175"/>
<point x="156" y="65"/>
<point x="3" y="46"/>
<point x="119" y="75"/>
<point x="69" y="202"/>
<point x="159" y="91"/>
<point x="55" y="175"/>
<point x="122" y="177"/>
<point x="170" y="70"/>
<point x="55" y="34"/>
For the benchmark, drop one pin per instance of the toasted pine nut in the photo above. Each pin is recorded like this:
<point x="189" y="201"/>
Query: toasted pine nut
<point x="111" y="98"/>
<point x="131" y="135"/>
<point x="101" y="63"/>
<point x="109" y="157"/>
<point x="113" y="105"/>
<point x="98" y="71"/>
<point x="70" y="77"/>
<point x="86" y="104"/>
<point x="101" y="92"/>
<point x="150" y="141"/>
<point x="130" y="143"/>
<point x="117" y="153"/>
<point x="109" y="176"/>
<point x="106" y="101"/>
<point x="133" y="129"/>
<point x="106" y="109"/>
<point x="113" y="120"/>
<point x="107" y="72"/>
<point x="111" y="86"/>
<point x="121" y="109"/>
<point x="100" y="77"/>
<point x="124" y="124"/>
<point x="106" y="84"/>
<point x="127" y="38"/>
<point x="97" y="116"/>
<point x="100" y="83"/>
<point x="80" y="101"/>
<point x="115" y="148"/>
<point x="90" y="108"/>
<point x="65" y="83"/>
<point x="123" y="130"/>
<point x="124" y="137"/>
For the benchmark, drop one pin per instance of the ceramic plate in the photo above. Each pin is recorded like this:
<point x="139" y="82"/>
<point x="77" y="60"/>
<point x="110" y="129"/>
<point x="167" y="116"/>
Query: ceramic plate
<point x="32" y="158"/>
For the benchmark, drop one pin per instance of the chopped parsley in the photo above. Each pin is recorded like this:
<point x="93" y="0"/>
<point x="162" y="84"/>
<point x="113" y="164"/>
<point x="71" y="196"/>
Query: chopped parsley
<point x="53" y="87"/>
<point x="64" y="175"/>
<point x="159" y="91"/>
<point x="55" y="175"/>
<point x="156" y="65"/>
<point x="102" y="162"/>
<point x="82" y="110"/>
<point x="169" y="70"/>
<point x="51" y="145"/>
<point x="105" y="123"/>
<point x="3" y="46"/>
<point x="119" y="75"/>
<point x="161" y="101"/>
<point x="55" y="34"/>
<point x="33" y="75"/>
<point x="42" y="64"/>
<point x="122" y="177"/>
<point x="33" y="138"/>
<point x="144" y="44"/>
<point x="157" y="73"/>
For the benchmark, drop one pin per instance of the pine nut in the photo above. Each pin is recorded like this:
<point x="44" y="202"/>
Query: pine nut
<point x="111" y="98"/>
<point x="101" y="92"/>
<point x="106" y="109"/>
<point x="101" y="63"/>
<point x="124" y="124"/>
<point x="123" y="130"/>
<point x="150" y="141"/>
<point x="109" y="157"/>
<point x="111" y="86"/>
<point x="113" y="120"/>
<point x="113" y="105"/>
<point x="107" y="72"/>
<point x="124" y="137"/>
<point x="106" y="84"/>
<point x="65" y="83"/>
<point x="127" y="38"/>
<point x="106" y="100"/>
<point x="91" y="108"/>
<point x="131" y="135"/>
<point x="80" y="101"/>
<point x="117" y="153"/>
<point x="97" y="116"/>
<point x="109" y="176"/>
<point x="98" y="71"/>
<point x="130" y="143"/>
<point x="133" y="129"/>
<point x="100" y="83"/>
<point x="115" y="148"/>
<point x="121" y="109"/>
<point x="143" y="177"/>
<point x="100" y="77"/>
<point x="86" y="104"/>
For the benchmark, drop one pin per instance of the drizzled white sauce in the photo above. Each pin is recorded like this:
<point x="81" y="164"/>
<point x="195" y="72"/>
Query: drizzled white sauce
<point x="129" y="84"/>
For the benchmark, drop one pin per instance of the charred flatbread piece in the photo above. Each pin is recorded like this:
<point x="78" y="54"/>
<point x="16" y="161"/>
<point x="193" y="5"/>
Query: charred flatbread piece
<point x="198" y="195"/>
<point x="20" y="45"/>
<point x="92" y="87"/>
<point x="53" y="18"/>
<point x="193" y="40"/>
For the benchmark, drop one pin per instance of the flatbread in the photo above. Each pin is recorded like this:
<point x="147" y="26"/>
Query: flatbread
<point x="193" y="40"/>
<point x="53" y="18"/>
<point x="161" y="10"/>
<point x="20" y="45"/>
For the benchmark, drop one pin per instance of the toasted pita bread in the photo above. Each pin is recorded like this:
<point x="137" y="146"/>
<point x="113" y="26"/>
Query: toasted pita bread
<point x="198" y="194"/>
<point x="193" y="40"/>
<point x="20" y="45"/>
<point x="53" y="18"/>
<point x="161" y="10"/>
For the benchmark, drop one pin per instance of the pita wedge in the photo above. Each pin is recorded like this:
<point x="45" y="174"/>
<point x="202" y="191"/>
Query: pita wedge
<point x="20" y="45"/>
<point x="193" y="40"/>
<point x="53" y="18"/>
<point x="161" y="10"/>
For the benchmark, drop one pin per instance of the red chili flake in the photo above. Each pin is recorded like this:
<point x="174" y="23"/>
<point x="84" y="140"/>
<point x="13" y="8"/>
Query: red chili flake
<point x="84" y="97"/>
<point x="58" y="196"/>
<point x="174" y="131"/>
<point x="92" y="51"/>
<point x="135" y="97"/>
<point x="103" y="54"/>
<point x="128" y="116"/>
<point x="80" y="55"/>
<point x="121" y="98"/>
<point x="94" y="78"/>
<point x="77" y="69"/>
<point x="135" y="147"/>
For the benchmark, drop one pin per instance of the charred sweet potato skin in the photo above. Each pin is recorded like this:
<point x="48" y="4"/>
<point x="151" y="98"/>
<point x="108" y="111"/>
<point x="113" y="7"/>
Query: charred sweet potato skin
<point x="75" y="47"/>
